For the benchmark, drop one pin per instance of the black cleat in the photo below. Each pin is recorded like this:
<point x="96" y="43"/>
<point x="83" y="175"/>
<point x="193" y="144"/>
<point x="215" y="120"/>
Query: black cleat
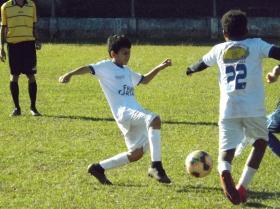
<point x="34" y="112"/>
<point x="98" y="172"/>
<point x="159" y="174"/>
<point x="16" y="112"/>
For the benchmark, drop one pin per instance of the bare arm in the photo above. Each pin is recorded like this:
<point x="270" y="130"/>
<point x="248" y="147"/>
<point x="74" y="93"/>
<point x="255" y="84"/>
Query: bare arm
<point x="3" y="39"/>
<point x="273" y="75"/>
<point x="150" y="75"/>
<point x="79" y="71"/>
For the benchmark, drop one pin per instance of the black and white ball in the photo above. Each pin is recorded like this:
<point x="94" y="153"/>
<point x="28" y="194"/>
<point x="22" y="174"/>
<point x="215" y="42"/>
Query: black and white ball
<point x="198" y="163"/>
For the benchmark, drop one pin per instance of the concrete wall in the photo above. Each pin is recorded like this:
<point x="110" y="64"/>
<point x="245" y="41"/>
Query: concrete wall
<point x="90" y="29"/>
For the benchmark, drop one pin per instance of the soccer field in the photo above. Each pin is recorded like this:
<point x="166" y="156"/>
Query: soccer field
<point x="43" y="160"/>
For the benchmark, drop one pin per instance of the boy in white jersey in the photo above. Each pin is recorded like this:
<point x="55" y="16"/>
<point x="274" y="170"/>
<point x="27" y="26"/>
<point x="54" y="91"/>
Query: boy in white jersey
<point x="141" y="128"/>
<point x="242" y="110"/>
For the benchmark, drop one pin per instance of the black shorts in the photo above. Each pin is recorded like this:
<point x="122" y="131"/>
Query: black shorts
<point x="22" y="58"/>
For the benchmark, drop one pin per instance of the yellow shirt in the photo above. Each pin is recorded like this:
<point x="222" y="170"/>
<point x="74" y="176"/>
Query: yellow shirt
<point x="19" y="20"/>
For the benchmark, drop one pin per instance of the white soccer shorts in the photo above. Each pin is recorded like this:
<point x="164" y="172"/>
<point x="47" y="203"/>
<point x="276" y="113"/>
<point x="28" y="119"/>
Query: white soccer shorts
<point x="137" y="135"/>
<point x="235" y="130"/>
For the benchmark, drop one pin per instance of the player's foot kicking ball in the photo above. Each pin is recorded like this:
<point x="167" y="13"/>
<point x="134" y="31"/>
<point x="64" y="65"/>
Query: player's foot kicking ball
<point x="159" y="174"/>
<point x="98" y="172"/>
<point x="242" y="193"/>
<point x="229" y="188"/>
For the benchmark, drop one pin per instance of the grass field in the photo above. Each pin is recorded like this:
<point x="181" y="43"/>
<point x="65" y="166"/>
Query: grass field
<point x="43" y="160"/>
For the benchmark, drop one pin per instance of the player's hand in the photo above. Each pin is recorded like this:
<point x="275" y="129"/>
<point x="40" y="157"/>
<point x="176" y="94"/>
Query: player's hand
<point x="3" y="55"/>
<point x="38" y="45"/>
<point x="273" y="75"/>
<point x="270" y="77"/>
<point x="64" y="79"/>
<point x="165" y="63"/>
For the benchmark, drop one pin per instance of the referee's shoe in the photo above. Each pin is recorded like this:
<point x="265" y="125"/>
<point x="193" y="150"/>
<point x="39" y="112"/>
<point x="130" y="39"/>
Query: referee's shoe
<point x="34" y="112"/>
<point x="16" y="112"/>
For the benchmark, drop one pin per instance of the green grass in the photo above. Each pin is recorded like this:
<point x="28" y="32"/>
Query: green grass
<point x="43" y="160"/>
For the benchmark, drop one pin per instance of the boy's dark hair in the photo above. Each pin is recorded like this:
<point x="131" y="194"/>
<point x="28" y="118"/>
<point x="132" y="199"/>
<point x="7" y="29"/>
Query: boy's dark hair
<point x="234" y="24"/>
<point x="116" y="42"/>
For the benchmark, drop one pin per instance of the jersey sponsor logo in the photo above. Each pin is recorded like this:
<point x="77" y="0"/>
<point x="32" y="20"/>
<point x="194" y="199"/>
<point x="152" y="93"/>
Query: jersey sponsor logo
<point x="126" y="91"/>
<point x="235" y="53"/>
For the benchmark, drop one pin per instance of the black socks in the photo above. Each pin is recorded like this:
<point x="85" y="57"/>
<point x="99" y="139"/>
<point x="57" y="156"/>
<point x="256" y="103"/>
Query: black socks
<point x="15" y="93"/>
<point x="32" y="89"/>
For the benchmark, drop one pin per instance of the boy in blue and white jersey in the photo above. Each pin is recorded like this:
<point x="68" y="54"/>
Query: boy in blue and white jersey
<point x="242" y="109"/>
<point x="140" y="127"/>
<point x="274" y="117"/>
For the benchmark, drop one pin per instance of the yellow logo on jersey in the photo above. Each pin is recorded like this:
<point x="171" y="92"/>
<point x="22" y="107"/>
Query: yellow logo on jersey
<point x="235" y="53"/>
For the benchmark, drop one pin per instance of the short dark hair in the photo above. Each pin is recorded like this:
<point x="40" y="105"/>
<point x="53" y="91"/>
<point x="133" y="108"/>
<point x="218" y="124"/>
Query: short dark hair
<point x="234" y="23"/>
<point x="117" y="42"/>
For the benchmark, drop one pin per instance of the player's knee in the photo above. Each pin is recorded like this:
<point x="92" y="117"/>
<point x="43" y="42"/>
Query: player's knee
<point x="227" y="155"/>
<point x="31" y="78"/>
<point x="156" y="123"/>
<point x="135" y="155"/>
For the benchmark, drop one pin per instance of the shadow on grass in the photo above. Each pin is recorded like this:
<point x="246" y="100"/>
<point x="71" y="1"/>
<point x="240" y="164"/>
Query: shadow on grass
<point x="200" y="189"/>
<point x="71" y="117"/>
<point x="256" y="205"/>
<point x="129" y="185"/>
<point x="252" y="194"/>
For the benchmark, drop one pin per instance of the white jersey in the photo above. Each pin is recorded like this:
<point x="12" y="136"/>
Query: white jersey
<point x="240" y="76"/>
<point x="118" y="85"/>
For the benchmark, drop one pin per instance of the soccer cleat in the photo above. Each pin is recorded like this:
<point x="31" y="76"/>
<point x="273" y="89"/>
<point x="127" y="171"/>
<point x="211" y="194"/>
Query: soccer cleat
<point x="242" y="193"/>
<point x="98" y="172"/>
<point x="16" y="112"/>
<point x="159" y="174"/>
<point x="229" y="188"/>
<point x="34" y="112"/>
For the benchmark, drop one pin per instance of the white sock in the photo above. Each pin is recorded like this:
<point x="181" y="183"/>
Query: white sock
<point x="223" y="166"/>
<point x="247" y="175"/>
<point x="116" y="161"/>
<point x="154" y="143"/>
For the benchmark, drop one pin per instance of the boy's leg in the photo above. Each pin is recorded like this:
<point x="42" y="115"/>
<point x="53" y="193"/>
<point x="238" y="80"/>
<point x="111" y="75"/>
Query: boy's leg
<point x="230" y="136"/>
<point x="273" y="125"/>
<point x="32" y="90"/>
<point x="227" y="183"/>
<point x="156" y="170"/>
<point x="255" y="128"/>
<point x="274" y="144"/>
<point x="15" y="94"/>
<point x="15" y="63"/>
<point x="98" y="169"/>
<point x="253" y="163"/>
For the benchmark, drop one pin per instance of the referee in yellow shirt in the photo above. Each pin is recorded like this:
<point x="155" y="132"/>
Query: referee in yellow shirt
<point x="18" y="30"/>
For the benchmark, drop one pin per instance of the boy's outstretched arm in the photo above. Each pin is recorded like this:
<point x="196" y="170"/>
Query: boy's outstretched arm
<point x="79" y="71"/>
<point x="150" y="75"/>
<point x="199" y="66"/>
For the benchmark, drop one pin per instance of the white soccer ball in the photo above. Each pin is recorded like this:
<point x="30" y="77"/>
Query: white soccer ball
<point x="198" y="163"/>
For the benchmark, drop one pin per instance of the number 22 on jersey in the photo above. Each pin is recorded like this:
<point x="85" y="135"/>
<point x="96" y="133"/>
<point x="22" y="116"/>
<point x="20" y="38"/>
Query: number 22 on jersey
<point x="237" y="74"/>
